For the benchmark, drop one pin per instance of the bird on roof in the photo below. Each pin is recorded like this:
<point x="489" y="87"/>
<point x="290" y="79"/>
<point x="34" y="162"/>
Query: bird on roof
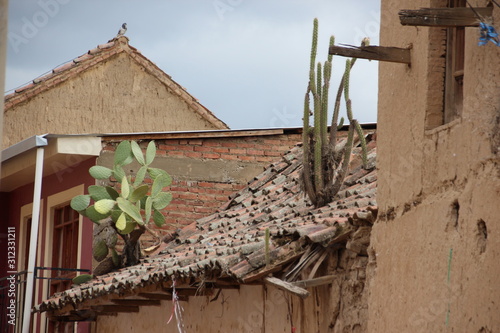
<point x="122" y="30"/>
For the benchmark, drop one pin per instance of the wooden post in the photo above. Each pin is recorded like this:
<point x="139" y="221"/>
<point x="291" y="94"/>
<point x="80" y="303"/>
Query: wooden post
<point x="286" y="286"/>
<point x="372" y="52"/>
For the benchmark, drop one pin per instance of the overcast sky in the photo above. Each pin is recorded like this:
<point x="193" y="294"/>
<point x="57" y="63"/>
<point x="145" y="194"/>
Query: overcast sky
<point x="245" y="60"/>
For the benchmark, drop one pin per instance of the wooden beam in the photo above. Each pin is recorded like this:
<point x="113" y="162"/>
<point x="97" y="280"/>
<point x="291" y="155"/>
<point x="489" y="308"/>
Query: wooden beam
<point x="84" y="314"/>
<point x="100" y="309"/>
<point x="221" y="283"/>
<point x="287" y="286"/>
<point x="193" y="134"/>
<point x="80" y="315"/>
<point x="137" y="302"/>
<point x="444" y="17"/>
<point x="226" y="286"/>
<point x="156" y="296"/>
<point x="69" y="318"/>
<point x="372" y="52"/>
<point x="328" y="279"/>
<point x="192" y="291"/>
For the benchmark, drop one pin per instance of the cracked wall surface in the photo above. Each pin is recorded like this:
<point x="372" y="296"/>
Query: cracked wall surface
<point x="436" y="244"/>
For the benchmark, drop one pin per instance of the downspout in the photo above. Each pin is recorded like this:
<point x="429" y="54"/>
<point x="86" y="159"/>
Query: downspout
<point x="41" y="142"/>
<point x="4" y="13"/>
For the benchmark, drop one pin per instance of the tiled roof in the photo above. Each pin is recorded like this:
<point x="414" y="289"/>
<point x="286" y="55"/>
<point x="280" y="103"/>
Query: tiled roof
<point x="231" y="243"/>
<point x="98" y="55"/>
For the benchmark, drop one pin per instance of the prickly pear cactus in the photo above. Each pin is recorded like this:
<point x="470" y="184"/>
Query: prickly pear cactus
<point x="128" y="210"/>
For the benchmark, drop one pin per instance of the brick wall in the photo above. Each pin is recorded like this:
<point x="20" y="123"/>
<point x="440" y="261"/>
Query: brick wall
<point x="265" y="149"/>
<point x="206" y="171"/>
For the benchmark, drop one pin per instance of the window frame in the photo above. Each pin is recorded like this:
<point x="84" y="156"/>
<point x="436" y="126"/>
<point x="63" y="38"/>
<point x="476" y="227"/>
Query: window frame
<point x="454" y="68"/>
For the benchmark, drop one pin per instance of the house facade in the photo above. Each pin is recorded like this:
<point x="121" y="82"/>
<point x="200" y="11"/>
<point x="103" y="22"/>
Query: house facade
<point x="112" y="88"/>
<point x="222" y="273"/>
<point x="206" y="166"/>
<point x="437" y="240"/>
<point x="63" y="236"/>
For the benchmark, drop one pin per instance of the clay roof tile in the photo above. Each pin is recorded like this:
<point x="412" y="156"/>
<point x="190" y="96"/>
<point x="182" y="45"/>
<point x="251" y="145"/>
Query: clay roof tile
<point x="232" y="243"/>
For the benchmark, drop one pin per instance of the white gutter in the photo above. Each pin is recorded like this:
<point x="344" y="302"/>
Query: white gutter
<point x="40" y="143"/>
<point x="4" y="13"/>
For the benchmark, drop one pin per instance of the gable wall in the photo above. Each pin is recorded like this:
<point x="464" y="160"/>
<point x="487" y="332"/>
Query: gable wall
<point x="115" y="96"/>
<point x="437" y="240"/>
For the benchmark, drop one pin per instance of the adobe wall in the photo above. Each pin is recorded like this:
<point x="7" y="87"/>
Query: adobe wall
<point x="436" y="244"/>
<point x="337" y="307"/>
<point x="115" y="96"/>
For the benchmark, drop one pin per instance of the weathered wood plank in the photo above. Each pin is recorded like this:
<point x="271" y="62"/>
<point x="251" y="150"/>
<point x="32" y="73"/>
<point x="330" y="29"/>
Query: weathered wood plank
<point x="156" y="296"/>
<point x="192" y="134"/>
<point x="137" y="302"/>
<point x="114" y="308"/>
<point x="444" y="17"/>
<point x="328" y="279"/>
<point x="77" y="315"/>
<point x="372" y="52"/>
<point x="287" y="286"/>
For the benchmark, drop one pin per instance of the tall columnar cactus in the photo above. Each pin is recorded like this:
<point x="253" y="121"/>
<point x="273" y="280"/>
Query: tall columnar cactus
<point x="128" y="210"/>
<point x="325" y="164"/>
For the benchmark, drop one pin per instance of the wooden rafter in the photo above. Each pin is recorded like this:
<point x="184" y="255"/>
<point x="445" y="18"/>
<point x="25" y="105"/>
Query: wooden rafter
<point x="137" y="302"/>
<point x="156" y="296"/>
<point x="444" y="17"/>
<point x="287" y="286"/>
<point x="328" y="279"/>
<point x="372" y="52"/>
<point x="102" y="309"/>
<point x="77" y="315"/>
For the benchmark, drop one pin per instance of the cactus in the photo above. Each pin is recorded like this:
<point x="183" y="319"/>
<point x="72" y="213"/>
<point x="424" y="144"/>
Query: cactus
<point x="267" y="247"/>
<point x="128" y="210"/>
<point x="321" y="156"/>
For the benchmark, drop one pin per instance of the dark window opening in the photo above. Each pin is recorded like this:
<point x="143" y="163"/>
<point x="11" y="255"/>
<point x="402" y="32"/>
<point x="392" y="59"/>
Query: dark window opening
<point x="65" y="247"/>
<point x="454" y="72"/>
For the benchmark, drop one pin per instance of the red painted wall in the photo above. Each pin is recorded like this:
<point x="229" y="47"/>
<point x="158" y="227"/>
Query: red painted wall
<point x="11" y="203"/>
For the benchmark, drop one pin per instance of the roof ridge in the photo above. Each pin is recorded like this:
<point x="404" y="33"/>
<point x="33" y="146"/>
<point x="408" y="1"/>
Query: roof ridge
<point x="96" y="55"/>
<point x="21" y="93"/>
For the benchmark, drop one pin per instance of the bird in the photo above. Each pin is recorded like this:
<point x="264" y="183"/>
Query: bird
<point x="122" y="30"/>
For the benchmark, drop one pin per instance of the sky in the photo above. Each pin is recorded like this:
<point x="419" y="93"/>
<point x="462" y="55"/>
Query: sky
<point x="245" y="60"/>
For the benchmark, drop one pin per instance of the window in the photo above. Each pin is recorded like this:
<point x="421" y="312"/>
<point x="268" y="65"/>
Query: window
<point x="454" y="70"/>
<point x="445" y="71"/>
<point x="65" y="247"/>
<point x="26" y="250"/>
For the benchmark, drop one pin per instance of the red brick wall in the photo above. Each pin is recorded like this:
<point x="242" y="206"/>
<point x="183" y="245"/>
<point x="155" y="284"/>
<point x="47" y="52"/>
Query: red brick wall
<point x="196" y="197"/>
<point x="265" y="149"/>
<point x="193" y="200"/>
